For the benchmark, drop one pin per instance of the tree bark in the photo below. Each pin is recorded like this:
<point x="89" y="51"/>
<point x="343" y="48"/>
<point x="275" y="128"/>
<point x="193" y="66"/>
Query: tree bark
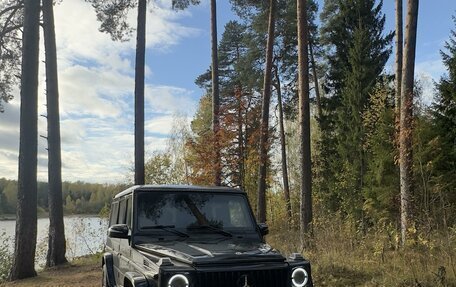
<point x="399" y="55"/>
<point x="286" y="186"/>
<point x="215" y="94"/>
<point x="315" y="76"/>
<point x="26" y="217"/>
<point x="56" y="248"/>
<point x="261" y="212"/>
<point x="406" y="120"/>
<point x="139" y="92"/>
<point x="304" y="118"/>
<point x="241" y="163"/>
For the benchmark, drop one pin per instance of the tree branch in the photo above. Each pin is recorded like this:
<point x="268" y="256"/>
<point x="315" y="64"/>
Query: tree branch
<point x="8" y="20"/>
<point x="14" y="7"/>
<point x="10" y="29"/>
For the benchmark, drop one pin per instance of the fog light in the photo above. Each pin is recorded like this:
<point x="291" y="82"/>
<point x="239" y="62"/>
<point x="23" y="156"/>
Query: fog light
<point x="178" y="280"/>
<point x="299" y="277"/>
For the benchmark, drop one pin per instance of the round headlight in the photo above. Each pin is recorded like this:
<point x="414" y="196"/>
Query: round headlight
<point x="299" y="277"/>
<point x="178" y="280"/>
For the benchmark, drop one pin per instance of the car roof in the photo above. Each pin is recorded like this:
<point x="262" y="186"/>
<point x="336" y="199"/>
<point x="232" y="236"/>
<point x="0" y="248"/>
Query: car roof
<point x="190" y="188"/>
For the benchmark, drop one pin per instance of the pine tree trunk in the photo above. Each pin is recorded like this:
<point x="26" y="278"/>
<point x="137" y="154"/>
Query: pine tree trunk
<point x="56" y="248"/>
<point x="261" y="212"/>
<point x="406" y="120"/>
<point x="315" y="76"/>
<point x="241" y="149"/>
<point x="399" y="48"/>
<point x="304" y="118"/>
<point x="26" y="218"/>
<point x="139" y="92"/>
<point x="215" y="94"/>
<point x="286" y="186"/>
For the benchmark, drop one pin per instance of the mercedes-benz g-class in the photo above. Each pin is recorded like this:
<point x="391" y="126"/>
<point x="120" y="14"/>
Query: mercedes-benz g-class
<point x="189" y="236"/>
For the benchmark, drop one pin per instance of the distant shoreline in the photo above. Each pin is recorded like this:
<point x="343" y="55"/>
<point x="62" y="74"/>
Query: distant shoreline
<point x="10" y="217"/>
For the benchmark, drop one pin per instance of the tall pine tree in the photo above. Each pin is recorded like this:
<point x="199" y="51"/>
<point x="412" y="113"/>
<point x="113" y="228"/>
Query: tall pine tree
<point x="357" y="50"/>
<point x="444" y="125"/>
<point x="26" y="213"/>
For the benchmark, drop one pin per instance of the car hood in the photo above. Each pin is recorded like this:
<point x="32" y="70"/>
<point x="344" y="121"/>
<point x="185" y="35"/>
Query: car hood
<point x="197" y="254"/>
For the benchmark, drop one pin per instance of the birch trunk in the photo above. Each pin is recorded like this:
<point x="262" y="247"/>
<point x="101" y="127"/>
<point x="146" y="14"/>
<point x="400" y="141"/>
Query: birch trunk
<point x="315" y="76"/>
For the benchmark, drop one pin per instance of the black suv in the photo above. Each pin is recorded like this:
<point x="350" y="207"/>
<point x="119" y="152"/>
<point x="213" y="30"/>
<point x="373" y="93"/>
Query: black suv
<point x="189" y="236"/>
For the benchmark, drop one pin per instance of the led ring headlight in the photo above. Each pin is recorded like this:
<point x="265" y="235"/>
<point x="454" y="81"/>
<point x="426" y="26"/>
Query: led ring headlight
<point x="178" y="280"/>
<point x="299" y="277"/>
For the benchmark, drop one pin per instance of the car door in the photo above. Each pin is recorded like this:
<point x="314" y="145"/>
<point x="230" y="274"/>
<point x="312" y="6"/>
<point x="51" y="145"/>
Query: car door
<point x="112" y="244"/>
<point x="118" y="261"/>
<point x="124" y="244"/>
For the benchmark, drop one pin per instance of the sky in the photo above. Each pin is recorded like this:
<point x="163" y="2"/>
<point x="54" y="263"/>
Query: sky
<point x="96" y="82"/>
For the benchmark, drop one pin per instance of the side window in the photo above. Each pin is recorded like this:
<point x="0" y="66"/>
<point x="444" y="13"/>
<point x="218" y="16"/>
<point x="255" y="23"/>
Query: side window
<point x="122" y="208"/>
<point x="114" y="213"/>
<point x="129" y="212"/>
<point x="238" y="216"/>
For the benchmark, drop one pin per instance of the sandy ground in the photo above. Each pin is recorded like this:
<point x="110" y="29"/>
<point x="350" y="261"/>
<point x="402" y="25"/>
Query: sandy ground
<point x="84" y="273"/>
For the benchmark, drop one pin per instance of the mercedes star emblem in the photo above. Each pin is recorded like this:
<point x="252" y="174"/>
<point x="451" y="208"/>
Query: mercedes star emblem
<point x="243" y="281"/>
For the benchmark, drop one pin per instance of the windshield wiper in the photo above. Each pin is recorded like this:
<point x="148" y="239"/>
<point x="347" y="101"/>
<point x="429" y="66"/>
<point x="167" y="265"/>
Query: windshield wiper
<point x="169" y="228"/>
<point x="212" y="228"/>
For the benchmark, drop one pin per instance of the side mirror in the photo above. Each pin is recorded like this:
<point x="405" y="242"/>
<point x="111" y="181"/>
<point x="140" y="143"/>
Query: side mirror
<point x="264" y="229"/>
<point x="118" y="231"/>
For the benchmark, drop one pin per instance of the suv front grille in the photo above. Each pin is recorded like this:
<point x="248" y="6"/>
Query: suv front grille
<point x="255" y="278"/>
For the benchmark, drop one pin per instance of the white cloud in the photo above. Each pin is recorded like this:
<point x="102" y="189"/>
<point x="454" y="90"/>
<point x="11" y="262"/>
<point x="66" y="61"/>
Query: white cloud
<point x="96" y="84"/>
<point x="159" y="125"/>
<point x="78" y="38"/>
<point x="153" y="144"/>
<point x="161" y="35"/>
<point x="9" y="119"/>
<point x="8" y="162"/>
<point x="93" y="91"/>
<point x="428" y="73"/>
<point x="435" y="68"/>
<point x="169" y="100"/>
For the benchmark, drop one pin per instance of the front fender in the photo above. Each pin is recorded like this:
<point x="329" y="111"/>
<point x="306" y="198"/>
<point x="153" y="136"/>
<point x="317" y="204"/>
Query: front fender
<point x="136" y="279"/>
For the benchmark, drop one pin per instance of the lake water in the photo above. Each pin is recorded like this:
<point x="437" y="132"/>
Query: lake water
<point x="84" y="235"/>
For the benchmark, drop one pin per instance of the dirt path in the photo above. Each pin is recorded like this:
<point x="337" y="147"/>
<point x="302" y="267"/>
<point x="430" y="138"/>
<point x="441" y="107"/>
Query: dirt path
<point x="83" y="272"/>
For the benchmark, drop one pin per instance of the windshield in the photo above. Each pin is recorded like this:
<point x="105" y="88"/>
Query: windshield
<point x="194" y="212"/>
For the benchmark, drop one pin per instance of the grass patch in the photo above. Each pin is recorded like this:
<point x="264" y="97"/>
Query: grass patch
<point x="92" y="259"/>
<point x="341" y="256"/>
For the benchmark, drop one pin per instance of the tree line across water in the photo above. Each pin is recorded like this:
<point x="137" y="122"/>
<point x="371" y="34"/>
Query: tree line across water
<point x="78" y="197"/>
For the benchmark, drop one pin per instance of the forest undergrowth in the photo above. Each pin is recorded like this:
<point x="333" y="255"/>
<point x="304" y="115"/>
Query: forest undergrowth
<point x="342" y="255"/>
